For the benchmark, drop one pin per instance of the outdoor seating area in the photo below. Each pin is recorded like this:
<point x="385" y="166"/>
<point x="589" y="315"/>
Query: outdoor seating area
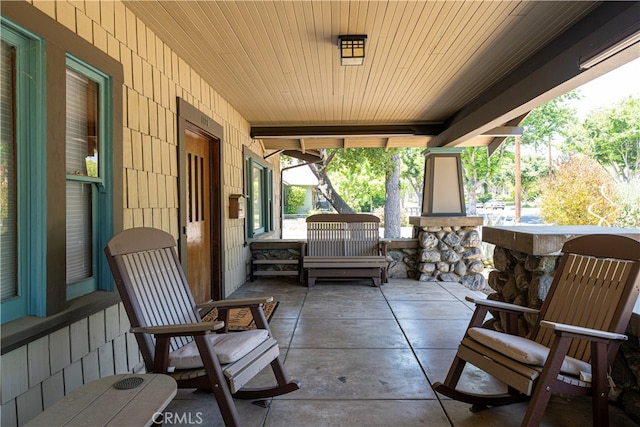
<point x="146" y="186"/>
<point x="367" y="356"/>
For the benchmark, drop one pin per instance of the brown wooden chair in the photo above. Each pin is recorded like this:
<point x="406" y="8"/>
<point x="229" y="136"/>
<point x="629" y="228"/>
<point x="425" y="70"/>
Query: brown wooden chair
<point x="170" y="334"/>
<point x="579" y="330"/>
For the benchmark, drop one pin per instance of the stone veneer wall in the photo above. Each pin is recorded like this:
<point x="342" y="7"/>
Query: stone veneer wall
<point x="521" y="279"/>
<point x="450" y="254"/>
<point x="402" y="258"/>
<point x="440" y="253"/>
<point x="524" y="280"/>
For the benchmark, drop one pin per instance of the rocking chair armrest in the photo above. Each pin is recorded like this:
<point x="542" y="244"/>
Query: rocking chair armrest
<point x="185" y="329"/>
<point x="234" y="303"/>
<point x="586" y="333"/>
<point x="501" y="306"/>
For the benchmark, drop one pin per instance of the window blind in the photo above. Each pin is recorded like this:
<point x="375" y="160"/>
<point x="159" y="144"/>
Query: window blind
<point x="79" y="248"/>
<point x="8" y="172"/>
<point x="81" y="96"/>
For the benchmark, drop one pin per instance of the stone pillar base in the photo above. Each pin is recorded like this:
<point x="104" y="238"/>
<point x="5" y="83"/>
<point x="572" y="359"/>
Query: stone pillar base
<point x="450" y="249"/>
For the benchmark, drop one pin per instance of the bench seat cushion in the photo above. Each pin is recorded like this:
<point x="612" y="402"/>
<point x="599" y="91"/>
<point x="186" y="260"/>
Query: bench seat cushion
<point x="524" y="350"/>
<point x="229" y="348"/>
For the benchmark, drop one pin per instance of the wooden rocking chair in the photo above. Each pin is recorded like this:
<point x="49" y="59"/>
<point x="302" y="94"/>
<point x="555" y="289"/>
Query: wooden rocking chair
<point x="579" y="330"/>
<point x="169" y="331"/>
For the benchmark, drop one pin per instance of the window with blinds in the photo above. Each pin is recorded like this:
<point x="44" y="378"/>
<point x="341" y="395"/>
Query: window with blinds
<point x="257" y="198"/>
<point x="34" y="261"/>
<point x="8" y="181"/>
<point x="22" y="177"/>
<point x="259" y="178"/>
<point x="83" y="176"/>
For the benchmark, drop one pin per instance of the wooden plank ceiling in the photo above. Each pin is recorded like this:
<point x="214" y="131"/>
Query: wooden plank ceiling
<point x="277" y="62"/>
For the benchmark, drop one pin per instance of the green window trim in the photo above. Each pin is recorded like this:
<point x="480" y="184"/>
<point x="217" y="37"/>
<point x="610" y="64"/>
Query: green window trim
<point x="102" y="185"/>
<point x="40" y="290"/>
<point x="31" y="165"/>
<point x="259" y="178"/>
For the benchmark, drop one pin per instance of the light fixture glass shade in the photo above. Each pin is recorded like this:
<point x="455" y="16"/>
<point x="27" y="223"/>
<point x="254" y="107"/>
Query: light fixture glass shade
<point x="352" y="49"/>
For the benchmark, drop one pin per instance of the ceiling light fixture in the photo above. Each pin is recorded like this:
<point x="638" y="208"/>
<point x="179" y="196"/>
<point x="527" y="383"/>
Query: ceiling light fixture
<point x="352" y="49"/>
<point x="615" y="47"/>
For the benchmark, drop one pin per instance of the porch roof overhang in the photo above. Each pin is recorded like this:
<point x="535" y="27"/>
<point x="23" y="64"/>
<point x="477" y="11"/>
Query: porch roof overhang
<point x="436" y="74"/>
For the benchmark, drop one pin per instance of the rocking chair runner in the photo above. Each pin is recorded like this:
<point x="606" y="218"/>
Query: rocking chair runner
<point x="169" y="331"/>
<point x="580" y="328"/>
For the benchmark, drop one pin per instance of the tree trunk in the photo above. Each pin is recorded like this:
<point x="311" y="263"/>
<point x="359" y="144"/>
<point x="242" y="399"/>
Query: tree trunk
<point x="392" y="200"/>
<point x="327" y="190"/>
<point x="473" y="200"/>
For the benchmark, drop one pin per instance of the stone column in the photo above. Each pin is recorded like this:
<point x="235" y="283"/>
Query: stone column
<point x="449" y="240"/>
<point x="450" y="249"/>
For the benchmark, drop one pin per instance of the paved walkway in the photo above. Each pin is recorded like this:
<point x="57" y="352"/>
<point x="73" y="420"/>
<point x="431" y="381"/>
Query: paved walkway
<point x="366" y="356"/>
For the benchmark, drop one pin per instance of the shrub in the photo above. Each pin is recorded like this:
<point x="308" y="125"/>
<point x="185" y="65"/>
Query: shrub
<point x="575" y="194"/>
<point x="295" y="199"/>
<point x="629" y="202"/>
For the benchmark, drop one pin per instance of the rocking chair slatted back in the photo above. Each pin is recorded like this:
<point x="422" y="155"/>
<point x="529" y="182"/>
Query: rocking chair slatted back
<point x="588" y="298"/>
<point x="149" y="277"/>
<point x="157" y="285"/>
<point x="586" y="294"/>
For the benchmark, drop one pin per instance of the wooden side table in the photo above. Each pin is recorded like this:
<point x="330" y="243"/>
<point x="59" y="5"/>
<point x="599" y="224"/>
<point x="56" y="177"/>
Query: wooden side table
<point x="118" y="400"/>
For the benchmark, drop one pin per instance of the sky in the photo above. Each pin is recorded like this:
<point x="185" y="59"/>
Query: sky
<point x="610" y="88"/>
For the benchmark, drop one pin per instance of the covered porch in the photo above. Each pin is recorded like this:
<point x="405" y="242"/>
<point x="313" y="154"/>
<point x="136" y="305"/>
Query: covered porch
<point x="367" y="356"/>
<point x="249" y="81"/>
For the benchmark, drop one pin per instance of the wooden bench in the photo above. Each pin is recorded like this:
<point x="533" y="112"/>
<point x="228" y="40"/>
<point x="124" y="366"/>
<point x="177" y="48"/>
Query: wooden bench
<point x="265" y="246"/>
<point x="344" y="246"/>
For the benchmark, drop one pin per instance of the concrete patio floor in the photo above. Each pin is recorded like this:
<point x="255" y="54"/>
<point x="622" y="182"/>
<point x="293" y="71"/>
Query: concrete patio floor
<point x="367" y="356"/>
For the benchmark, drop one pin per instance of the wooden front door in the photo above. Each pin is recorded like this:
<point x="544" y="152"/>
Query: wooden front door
<point x="203" y="222"/>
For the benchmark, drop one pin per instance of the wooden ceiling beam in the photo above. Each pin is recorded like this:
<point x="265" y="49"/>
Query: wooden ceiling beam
<point x="504" y="131"/>
<point x="551" y="72"/>
<point x="498" y="140"/>
<point x="307" y="157"/>
<point x="299" y="132"/>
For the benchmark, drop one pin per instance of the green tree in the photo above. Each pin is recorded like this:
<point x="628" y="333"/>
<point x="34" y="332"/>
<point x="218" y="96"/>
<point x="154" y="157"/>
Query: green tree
<point x="358" y="173"/>
<point x="578" y="193"/>
<point x="480" y="170"/>
<point x="376" y="165"/>
<point x="532" y="170"/>
<point x="612" y="136"/>
<point x="325" y="186"/>
<point x="358" y="185"/>
<point x="412" y="171"/>
<point x="295" y="199"/>
<point x="549" y="121"/>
